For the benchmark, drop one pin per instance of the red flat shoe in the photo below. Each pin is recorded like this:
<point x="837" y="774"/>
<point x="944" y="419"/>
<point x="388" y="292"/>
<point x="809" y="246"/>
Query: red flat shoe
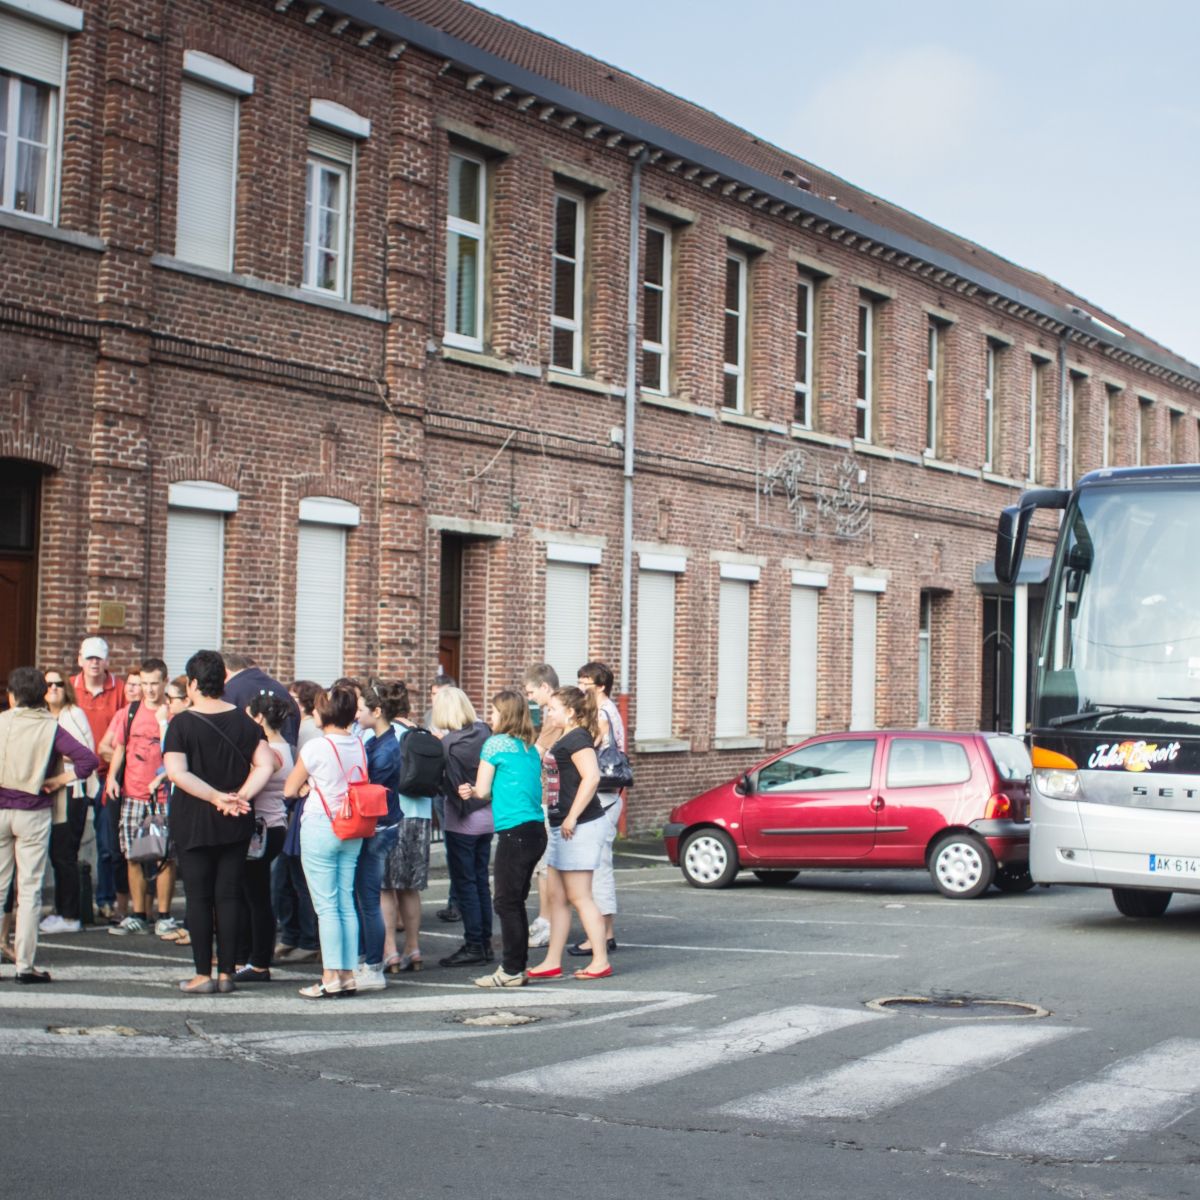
<point x="553" y="973"/>
<point x="585" y="974"/>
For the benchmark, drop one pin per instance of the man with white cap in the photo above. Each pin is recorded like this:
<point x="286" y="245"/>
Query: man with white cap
<point x="101" y="695"/>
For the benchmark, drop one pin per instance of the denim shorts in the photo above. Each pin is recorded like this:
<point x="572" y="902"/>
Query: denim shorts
<point x="581" y="852"/>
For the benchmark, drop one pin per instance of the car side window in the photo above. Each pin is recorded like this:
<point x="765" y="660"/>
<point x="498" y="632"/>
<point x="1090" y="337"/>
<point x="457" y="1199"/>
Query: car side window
<point x="926" y="762"/>
<point x="823" y="767"/>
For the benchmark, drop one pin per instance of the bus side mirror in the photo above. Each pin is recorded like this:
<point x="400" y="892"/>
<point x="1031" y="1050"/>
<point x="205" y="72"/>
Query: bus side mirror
<point x="1014" y="528"/>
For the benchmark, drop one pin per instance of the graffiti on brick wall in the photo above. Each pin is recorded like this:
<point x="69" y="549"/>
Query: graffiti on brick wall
<point x="810" y="493"/>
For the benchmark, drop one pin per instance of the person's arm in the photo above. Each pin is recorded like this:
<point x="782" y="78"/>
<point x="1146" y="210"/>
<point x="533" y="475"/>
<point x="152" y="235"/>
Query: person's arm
<point x="178" y="773"/>
<point x="293" y="786"/>
<point x="83" y="761"/>
<point x="588" y="767"/>
<point x="481" y="789"/>
<point x="262" y="768"/>
<point x="112" y="786"/>
<point x="108" y="743"/>
<point x="605" y="728"/>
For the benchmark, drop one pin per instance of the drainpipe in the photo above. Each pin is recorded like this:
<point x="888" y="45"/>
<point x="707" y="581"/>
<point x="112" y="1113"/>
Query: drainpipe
<point x="1064" y="417"/>
<point x="631" y="343"/>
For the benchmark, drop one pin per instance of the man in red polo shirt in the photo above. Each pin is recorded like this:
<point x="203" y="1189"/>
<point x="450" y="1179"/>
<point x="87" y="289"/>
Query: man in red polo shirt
<point x="100" y="695"/>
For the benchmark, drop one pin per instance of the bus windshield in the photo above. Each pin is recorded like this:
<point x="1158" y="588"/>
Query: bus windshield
<point x="1122" y="627"/>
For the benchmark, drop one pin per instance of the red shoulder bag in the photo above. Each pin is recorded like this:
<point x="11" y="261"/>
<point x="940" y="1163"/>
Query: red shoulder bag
<point x="363" y="804"/>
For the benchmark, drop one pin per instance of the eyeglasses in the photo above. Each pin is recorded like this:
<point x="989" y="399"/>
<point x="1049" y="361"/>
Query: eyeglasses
<point x="176" y="699"/>
<point x="54" y="683"/>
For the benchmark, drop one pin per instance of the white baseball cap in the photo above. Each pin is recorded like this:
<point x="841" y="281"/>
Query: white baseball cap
<point x="93" y="647"/>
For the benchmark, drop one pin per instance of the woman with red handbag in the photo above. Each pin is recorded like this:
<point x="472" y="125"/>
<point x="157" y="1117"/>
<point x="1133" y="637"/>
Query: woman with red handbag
<point x="329" y="764"/>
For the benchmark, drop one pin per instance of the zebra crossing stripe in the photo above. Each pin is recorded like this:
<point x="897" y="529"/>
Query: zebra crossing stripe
<point x="1095" y="1118"/>
<point x="615" y="1072"/>
<point x="879" y="1081"/>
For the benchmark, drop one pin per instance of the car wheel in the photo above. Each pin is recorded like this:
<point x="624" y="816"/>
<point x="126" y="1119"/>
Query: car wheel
<point x="962" y="866"/>
<point x="1013" y="879"/>
<point x="1139" y="902"/>
<point x="775" y="878"/>
<point x="709" y="859"/>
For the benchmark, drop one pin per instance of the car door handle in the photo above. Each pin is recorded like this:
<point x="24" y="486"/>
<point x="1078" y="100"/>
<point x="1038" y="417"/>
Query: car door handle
<point x="876" y="803"/>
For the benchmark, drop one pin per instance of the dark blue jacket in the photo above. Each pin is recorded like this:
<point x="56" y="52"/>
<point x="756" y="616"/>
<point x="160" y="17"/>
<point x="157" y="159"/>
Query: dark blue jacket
<point x="383" y="768"/>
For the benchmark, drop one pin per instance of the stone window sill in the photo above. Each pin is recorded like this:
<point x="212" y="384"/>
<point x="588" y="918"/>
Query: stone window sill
<point x="657" y="400"/>
<point x="739" y="743"/>
<point x="663" y="746"/>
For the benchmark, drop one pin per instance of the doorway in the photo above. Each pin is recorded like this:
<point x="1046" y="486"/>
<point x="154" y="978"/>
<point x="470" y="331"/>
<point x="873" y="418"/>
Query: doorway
<point x="20" y="494"/>
<point x="996" y="700"/>
<point x="450" y="605"/>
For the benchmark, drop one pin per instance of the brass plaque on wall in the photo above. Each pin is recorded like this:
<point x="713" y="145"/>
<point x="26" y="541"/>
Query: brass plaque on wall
<point x="112" y="615"/>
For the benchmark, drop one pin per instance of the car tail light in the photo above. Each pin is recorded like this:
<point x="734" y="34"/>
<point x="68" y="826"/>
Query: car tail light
<point x="998" y="806"/>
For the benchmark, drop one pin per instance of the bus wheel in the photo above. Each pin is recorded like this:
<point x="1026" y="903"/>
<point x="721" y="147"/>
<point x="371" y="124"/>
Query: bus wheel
<point x="1138" y="902"/>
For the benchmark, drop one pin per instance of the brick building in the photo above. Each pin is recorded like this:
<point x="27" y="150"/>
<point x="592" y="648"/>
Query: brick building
<point x="362" y="336"/>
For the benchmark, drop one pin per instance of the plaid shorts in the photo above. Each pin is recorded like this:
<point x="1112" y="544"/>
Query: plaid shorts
<point x="133" y="813"/>
<point x="407" y="864"/>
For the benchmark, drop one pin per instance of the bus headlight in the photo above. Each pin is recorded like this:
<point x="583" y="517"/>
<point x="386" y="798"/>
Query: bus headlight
<point x="1056" y="783"/>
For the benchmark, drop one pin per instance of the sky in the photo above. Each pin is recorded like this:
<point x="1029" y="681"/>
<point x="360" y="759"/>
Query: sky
<point x="1063" y="136"/>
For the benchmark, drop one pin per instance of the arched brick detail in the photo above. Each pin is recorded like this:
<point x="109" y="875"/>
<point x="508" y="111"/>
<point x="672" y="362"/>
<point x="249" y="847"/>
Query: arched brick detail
<point x="34" y="447"/>
<point x="338" y="487"/>
<point x="186" y="467"/>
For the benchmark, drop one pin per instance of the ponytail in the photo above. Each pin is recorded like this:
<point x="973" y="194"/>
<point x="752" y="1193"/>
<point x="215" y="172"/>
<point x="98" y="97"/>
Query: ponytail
<point x="582" y="707"/>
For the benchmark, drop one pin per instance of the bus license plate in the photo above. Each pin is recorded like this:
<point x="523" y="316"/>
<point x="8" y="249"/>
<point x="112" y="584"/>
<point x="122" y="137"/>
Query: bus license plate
<point x="1165" y="864"/>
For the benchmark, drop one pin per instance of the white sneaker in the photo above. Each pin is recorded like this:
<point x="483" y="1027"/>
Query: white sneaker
<point x="539" y="932"/>
<point x="56" y="924"/>
<point x="128" y="926"/>
<point x="369" y="979"/>
<point x="165" y="925"/>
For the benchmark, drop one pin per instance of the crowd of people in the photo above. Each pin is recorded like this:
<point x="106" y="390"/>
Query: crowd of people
<point x="253" y="794"/>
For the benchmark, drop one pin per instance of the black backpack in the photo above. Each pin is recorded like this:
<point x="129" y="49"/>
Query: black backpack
<point x="133" y="707"/>
<point x="422" y="763"/>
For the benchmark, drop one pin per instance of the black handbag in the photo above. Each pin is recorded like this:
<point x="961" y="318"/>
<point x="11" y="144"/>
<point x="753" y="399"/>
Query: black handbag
<point x="615" y="771"/>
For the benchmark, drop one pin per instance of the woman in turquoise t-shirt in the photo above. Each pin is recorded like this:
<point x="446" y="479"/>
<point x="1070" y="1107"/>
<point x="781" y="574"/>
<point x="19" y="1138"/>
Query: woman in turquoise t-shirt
<point x="510" y="777"/>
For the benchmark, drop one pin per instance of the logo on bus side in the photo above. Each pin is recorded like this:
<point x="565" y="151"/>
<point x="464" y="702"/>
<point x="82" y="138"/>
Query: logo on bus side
<point x="1133" y="756"/>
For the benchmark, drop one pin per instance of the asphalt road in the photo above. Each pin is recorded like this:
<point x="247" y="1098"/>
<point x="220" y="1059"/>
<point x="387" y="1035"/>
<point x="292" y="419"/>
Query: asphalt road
<point x="733" y="1053"/>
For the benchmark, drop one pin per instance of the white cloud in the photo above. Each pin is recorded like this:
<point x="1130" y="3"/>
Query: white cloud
<point x="892" y="115"/>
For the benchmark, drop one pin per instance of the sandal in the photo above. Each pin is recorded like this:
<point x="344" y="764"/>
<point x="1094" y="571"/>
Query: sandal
<point x="584" y="973"/>
<point x="397" y="964"/>
<point x="318" y="991"/>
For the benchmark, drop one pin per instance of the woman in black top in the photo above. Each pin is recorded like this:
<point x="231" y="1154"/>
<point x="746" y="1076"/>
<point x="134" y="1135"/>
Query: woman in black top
<point x="218" y="760"/>
<point x="576" y="833"/>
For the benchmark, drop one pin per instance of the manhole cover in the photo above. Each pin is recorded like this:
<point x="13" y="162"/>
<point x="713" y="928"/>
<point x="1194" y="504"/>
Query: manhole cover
<point x="499" y="1020"/>
<point x="959" y="1007"/>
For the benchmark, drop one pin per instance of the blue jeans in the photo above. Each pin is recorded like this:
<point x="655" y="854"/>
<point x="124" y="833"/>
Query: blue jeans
<point x="467" y="857"/>
<point x="292" y="903"/>
<point x="368" y="878"/>
<point x="329" y="865"/>
<point x="106" y="855"/>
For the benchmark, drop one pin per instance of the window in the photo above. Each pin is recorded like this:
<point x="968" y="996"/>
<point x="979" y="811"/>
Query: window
<point x="1036" y="371"/>
<point x="1145" y="431"/>
<point x="567" y="588"/>
<point x="195" y="568"/>
<point x="1112" y="399"/>
<point x="865" y="381"/>
<point x="1178" y="451"/>
<point x="206" y="206"/>
<point x="655" y="655"/>
<point x="862" y="671"/>
<point x="802" y="700"/>
<point x="656" y="310"/>
<point x="566" y="318"/>
<point x="733" y="658"/>
<point x="465" y="251"/>
<point x="327" y="211"/>
<point x="805" y="292"/>
<point x="926" y="762"/>
<point x="33" y="62"/>
<point x="737" y="267"/>
<point x="924" y="629"/>
<point x="320" y="598"/>
<point x="990" y="407"/>
<point x="933" y="370"/>
<point x="824" y="767"/>
<point x="1072" y="427"/>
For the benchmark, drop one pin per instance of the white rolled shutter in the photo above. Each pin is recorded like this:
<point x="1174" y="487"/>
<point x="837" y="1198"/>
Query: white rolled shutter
<point x="733" y="658"/>
<point x="195" y="583"/>
<point x="655" y="655"/>
<point x="208" y="136"/>
<point x="567" y="588"/>
<point x="802" y="707"/>
<point x="32" y="50"/>
<point x="320" y="601"/>
<point x="862" y="686"/>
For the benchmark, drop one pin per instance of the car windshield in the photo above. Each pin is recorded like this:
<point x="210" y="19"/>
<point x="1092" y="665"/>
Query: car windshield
<point x="1123" y="624"/>
<point x="1011" y="758"/>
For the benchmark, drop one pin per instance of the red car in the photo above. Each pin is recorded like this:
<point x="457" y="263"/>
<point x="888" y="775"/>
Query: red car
<point x="954" y="804"/>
